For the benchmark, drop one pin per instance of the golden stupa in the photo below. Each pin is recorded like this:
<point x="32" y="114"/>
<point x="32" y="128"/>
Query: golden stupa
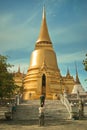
<point x="43" y="75"/>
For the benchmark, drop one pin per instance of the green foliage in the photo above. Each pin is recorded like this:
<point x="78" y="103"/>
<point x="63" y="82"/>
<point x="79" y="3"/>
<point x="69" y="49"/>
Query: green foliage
<point x="85" y="63"/>
<point x="7" y="86"/>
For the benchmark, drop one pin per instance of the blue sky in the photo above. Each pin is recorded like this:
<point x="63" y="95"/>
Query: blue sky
<point x="20" y="22"/>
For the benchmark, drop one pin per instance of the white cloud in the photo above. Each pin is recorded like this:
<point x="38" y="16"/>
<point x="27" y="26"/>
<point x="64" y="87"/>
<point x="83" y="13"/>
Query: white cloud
<point x="72" y="57"/>
<point x="23" y="63"/>
<point x="5" y="20"/>
<point x="14" y="37"/>
<point x="70" y="33"/>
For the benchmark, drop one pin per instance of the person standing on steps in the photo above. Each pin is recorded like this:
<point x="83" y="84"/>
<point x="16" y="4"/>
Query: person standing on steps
<point x="81" y="109"/>
<point x="13" y="108"/>
<point x="41" y="115"/>
<point x="42" y="99"/>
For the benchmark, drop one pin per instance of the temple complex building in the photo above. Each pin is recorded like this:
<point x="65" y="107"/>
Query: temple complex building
<point x="77" y="88"/>
<point x="43" y="75"/>
<point x="18" y="79"/>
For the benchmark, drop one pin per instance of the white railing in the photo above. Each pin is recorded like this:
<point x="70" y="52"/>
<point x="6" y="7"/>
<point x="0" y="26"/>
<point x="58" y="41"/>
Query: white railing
<point x="71" y="108"/>
<point x="65" y="101"/>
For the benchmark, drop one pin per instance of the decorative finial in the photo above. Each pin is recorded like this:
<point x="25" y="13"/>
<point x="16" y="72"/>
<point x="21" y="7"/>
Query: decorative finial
<point x="76" y="68"/>
<point x="44" y="13"/>
<point x="77" y="78"/>
<point x="19" y="69"/>
<point x="68" y="73"/>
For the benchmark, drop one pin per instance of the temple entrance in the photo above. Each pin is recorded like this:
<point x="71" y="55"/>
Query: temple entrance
<point x="44" y="84"/>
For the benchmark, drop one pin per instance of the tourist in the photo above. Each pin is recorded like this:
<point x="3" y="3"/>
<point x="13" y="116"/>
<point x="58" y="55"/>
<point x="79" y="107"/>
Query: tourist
<point x="9" y="106"/>
<point x="8" y="114"/>
<point x="14" y="108"/>
<point x="42" y="99"/>
<point x="41" y="115"/>
<point x="81" y="109"/>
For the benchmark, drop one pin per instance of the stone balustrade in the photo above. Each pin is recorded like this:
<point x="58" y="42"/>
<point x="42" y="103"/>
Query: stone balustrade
<point x="74" y="106"/>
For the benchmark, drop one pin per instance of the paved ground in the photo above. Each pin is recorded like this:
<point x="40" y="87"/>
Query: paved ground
<point x="49" y="125"/>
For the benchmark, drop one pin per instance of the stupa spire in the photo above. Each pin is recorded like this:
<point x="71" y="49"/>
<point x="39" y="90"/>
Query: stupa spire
<point x="44" y="13"/>
<point x="68" y="73"/>
<point x="19" y="69"/>
<point x="77" y="77"/>
<point x="44" y="35"/>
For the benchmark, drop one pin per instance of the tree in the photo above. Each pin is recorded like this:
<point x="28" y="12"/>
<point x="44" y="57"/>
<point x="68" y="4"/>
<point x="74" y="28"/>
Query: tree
<point x="85" y="63"/>
<point x="7" y="86"/>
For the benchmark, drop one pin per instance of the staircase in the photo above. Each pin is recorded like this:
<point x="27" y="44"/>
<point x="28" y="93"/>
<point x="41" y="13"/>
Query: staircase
<point x="3" y="109"/>
<point x="29" y="111"/>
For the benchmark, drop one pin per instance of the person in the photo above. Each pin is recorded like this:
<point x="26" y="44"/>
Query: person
<point x="30" y="95"/>
<point x="81" y="109"/>
<point x="8" y="114"/>
<point x="41" y="115"/>
<point x="42" y="99"/>
<point x="9" y="106"/>
<point x="14" y="108"/>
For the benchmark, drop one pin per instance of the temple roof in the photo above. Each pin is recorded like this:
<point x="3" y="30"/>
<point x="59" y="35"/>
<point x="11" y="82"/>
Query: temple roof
<point x="44" y="35"/>
<point x="78" y="87"/>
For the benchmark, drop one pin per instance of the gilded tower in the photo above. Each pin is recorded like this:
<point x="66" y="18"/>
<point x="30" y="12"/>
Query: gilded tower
<point x="43" y="75"/>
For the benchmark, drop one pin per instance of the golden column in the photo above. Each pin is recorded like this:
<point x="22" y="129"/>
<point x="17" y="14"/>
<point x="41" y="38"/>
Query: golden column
<point x="43" y="73"/>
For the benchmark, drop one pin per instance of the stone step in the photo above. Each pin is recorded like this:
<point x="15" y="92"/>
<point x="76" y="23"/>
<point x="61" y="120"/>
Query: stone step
<point x="29" y="111"/>
<point x="3" y="109"/>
